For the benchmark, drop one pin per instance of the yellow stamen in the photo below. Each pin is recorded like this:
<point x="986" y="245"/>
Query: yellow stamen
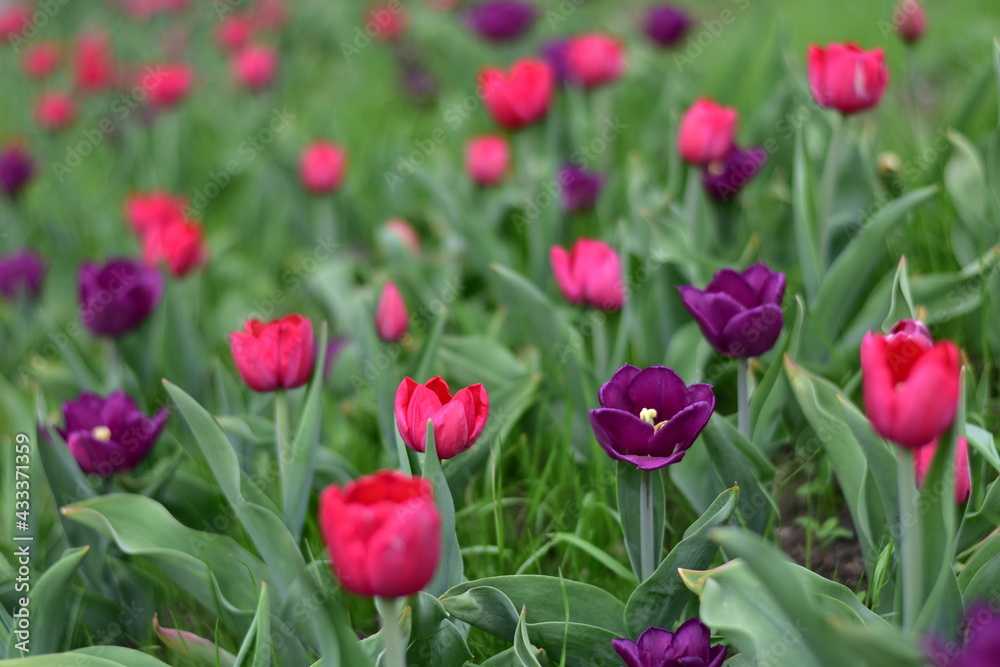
<point x="102" y="433"/>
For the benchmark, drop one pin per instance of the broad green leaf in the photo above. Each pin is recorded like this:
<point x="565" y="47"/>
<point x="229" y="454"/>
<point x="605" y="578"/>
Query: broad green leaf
<point x="735" y="461"/>
<point x="627" y="485"/>
<point x="96" y="656"/>
<point x="434" y="639"/>
<point x="202" y="652"/>
<point x="509" y="658"/>
<point x="450" y="569"/>
<point x="523" y="649"/>
<point x="49" y="602"/>
<point x="531" y="312"/>
<point x="771" y="393"/>
<point x="979" y="523"/>
<point x="258" y="638"/>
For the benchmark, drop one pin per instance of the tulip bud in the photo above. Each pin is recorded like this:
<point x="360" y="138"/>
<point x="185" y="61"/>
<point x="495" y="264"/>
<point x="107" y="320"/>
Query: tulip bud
<point x="117" y="297"/>
<point x="553" y="52"/>
<point x="590" y="273"/>
<point x="580" y="188"/>
<point x="487" y="158"/>
<point x="41" y="60"/>
<point x="910" y="21"/>
<point x="180" y="243"/>
<point x="167" y="84"/>
<point x="666" y="25"/>
<point x="406" y="234"/>
<point x="723" y="179"/>
<point x="234" y="33"/>
<point x="845" y="78"/>
<point x="254" y="67"/>
<point x="55" y="110"/>
<point x="386" y="21"/>
<point x="924" y="456"/>
<point x="520" y="98"/>
<point x="94" y="68"/>
<point x="15" y="19"/>
<point x="594" y="59"/>
<point x="148" y="211"/>
<point x="322" y="167"/>
<point x="21" y="273"/>
<point x="459" y="420"/>
<point x="706" y="132"/>
<point x="391" y="318"/>
<point x="277" y="355"/>
<point x="16" y="169"/>
<point x="501" y="20"/>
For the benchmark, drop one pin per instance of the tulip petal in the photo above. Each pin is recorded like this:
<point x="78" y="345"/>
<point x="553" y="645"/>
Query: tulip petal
<point x="97" y="457"/>
<point x="451" y="430"/>
<point x="440" y="388"/>
<point x="731" y="283"/>
<point x="753" y="332"/>
<point x="405" y="551"/>
<point x="423" y="404"/>
<point x="628" y="651"/>
<point x="563" y="271"/>
<point x="678" y="434"/>
<point x="925" y="404"/>
<point x="658" y="388"/>
<point x="712" y="312"/>
<point x="621" y="433"/>
<point x="400" y="407"/>
<point x="614" y="394"/>
<point x="476" y="402"/>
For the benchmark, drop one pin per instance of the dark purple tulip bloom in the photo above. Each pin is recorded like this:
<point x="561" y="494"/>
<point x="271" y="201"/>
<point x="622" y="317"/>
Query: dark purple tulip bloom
<point x="649" y="417"/>
<point x="16" y="169"/>
<point x="690" y="646"/>
<point x="580" y="188"/>
<point x="554" y="53"/>
<point x="980" y="644"/>
<point x="501" y="20"/>
<point x="739" y="313"/>
<point x="665" y="24"/>
<point x="117" y="297"/>
<point x="109" y="435"/>
<point x="724" y="178"/>
<point x="21" y="273"/>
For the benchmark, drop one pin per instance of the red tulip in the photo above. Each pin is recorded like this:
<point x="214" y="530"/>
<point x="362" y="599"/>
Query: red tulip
<point x="383" y="533"/>
<point x="706" y="132"/>
<point x="391" y="318"/>
<point x="322" y="167"/>
<point x="845" y="78"/>
<point x="15" y="19"/>
<point x="590" y="273"/>
<point x="910" y="21"/>
<point x="386" y="21"/>
<point x="55" y="110"/>
<point x="147" y="211"/>
<point x="923" y="456"/>
<point x="594" y="59"/>
<point x="94" y="66"/>
<point x="234" y="32"/>
<point x="168" y="84"/>
<point x="180" y="243"/>
<point x="458" y="420"/>
<point x="277" y="355"/>
<point x="520" y="98"/>
<point x="487" y="158"/>
<point x="41" y="60"/>
<point x="910" y="384"/>
<point x="254" y="67"/>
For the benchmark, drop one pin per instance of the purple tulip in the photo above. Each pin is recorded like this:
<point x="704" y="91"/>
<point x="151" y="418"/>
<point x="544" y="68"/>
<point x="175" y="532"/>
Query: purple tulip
<point x="690" y="646"/>
<point x="580" y="188"/>
<point x="981" y="641"/>
<point x="16" y="169"/>
<point x="554" y="53"/>
<point x="739" y="313"/>
<point x="501" y="20"/>
<point x="117" y="297"/>
<point x="649" y="417"/>
<point x="723" y="179"/>
<point x="665" y="25"/>
<point x="21" y="273"/>
<point x="109" y="435"/>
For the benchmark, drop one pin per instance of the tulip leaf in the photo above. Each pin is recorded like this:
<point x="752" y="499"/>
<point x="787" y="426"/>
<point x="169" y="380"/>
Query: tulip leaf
<point x="533" y="316"/>
<point x="49" y="604"/>
<point x="627" y="485"/>
<point x="94" y="656"/>
<point x="509" y="658"/>
<point x="734" y="460"/>
<point x="259" y="635"/>
<point x="202" y="652"/>
<point x="450" y="570"/>
<point x="331" y="631"/>
<point x="430" y="348"/>
<point x="979" y="523"/>
<point x="982" y="442"/>
<point x="660" y="600"/>
<point x="771" y="393"/>
<point x="435" y="639"/>
<point x="523" y="649"/>
<point x="804" y="216"/>
<point x="901" y="303"/>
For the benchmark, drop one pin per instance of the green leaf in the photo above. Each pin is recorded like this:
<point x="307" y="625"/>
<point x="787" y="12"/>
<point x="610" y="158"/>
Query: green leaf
<point x="259" y="636"/>
<point x="803" y="216"/>
<point x="659" y="600"/>
<point x="735" y="461"/>
<point x="627" y="482"/>
<point x="450" y="570"/>
<point x="985" y="519"/>
<point x="50" y="602"/>
<point x="771" y="393"/>
<point x="203" y="652"/>
<point x="901" y="305"/>
<point x="523" y="649"/>
<point x="430" y="347"/>
<point x="434" y="639"/>
<point x="96" y="656"/>
<point x="531" y="312"/>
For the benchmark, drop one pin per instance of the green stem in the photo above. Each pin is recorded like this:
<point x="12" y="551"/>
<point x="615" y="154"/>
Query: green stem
<point x="646" y="564"/>
<point x="743" y="397"/>
<point x="395" y="654"/>
<point x="910" y="538"/>
<point x="283" y="442"/>
<point x="830" y="170"/>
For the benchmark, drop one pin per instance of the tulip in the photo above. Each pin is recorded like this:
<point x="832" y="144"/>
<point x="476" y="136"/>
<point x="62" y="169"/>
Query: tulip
<point x="706" y="132"/>
<point x="520" y="98"/>
<point x="501" y="20"/>
<point x="21" y="273"/>
<point x="405" y="233"/>
<point x="277" y="355"/>
<point x="594" y="59"/>
<point x="270" y="14"/>
<point x="845" y="78"/>
<point x="117" y="297"/>
<point x="15" y="19"/>
<point x="322" y="167"/>
<point x="910" y="384"/>
<point x="109" y="435"/>
<point x="690" y="646"/>
<point x="41" y="60"/>
<point x="590" y="273"/>
<point x="383" y="533"/>
<point x="148" y="211"/>
<point x="234" y="32"/>
<point x="979" y="642"/>
<point x="94" y="67"/>
<point x="386" y="21"/>
<point x="665" y="25"/>
<point x="553" y="52"/>
<point x="724" y="178"/>
<point x="180" y="243"/>
<point x="333" y="349"/>
<point x="418" y="82"/>
<point x="458" y="420"/>
<point x="739" y="313"/>
<point x="16" y="169"/>
<point x="923" y="456"/>
<point x="487" y="158"/>
<point x="580" y="188"/>
<point x="910" y="21"/>
<point x="254" y="67"/>
<point x="55" y="110"/>
<point x="649" y="417"/>
<point x="167" y="85"/>
<point x="391" y="318"/>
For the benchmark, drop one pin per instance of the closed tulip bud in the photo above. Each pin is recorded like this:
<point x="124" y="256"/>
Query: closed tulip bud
<point x="254" y="67"/>
<point x="322" y="167"/>
<point x="723" y="179"/>
<point x="924" y="456"/>
<point x="406" y="234"/>
<point x="234" y="32"/>
<point x="117" y="297"/>
<point x="459" y="420"/>
<point x="520" y="98"/>
<point x="501" y="20"/>
<point x="594" y="59"/>
<point x="276" y="355"/>
<point x="41" y="60"/>
<point x="553" y="52"/>
<point x="666" y="25"/>
<point x="148" y="211"/>
<point x="706" y="132"/>
<point x="845" y="78"/>
<point x="739" y="313"/>
<point x="109" y="435"/>
<point x="386" y="21"/>
<point x="168" y="84"/>
<point x="94" y="67"/>
<point x="21" y="273"/>
<point x="487" y="158"/>
<point x="580" y="188"/>
<point x="391" y="318"/>
<point x="910" y="21"/>
<point x="55" y="110"/>
<point x="16" y="169"/>
<point x="15" y="19"/>
<point x="590" y="273"/>
<point x="179" y="243"/>
<point x="383" y="533"/>
<point x="910" y="383"/>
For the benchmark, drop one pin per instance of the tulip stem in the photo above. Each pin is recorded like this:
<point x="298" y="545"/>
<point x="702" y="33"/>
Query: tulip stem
<point x="830" y="170"/>
<point x="395" y="654"/>
<point x="281" y="439"/>
<point x="646" y="564"/>
<point x="743" y="397"/>
<point x="910" y="538"/>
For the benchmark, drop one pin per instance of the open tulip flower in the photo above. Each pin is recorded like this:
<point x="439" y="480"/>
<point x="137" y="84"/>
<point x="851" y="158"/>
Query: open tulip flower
<point x="459" y="420"/>
<point x="739" y="312"/>
<point x="690" y="646"/>
<point x="277" y="355"/>
<point x="650" y="417"/>
<point x="845" y="78"/>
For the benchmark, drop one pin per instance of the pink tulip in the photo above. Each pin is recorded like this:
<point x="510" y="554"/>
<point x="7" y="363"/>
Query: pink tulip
<point x="590" y="273"/>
